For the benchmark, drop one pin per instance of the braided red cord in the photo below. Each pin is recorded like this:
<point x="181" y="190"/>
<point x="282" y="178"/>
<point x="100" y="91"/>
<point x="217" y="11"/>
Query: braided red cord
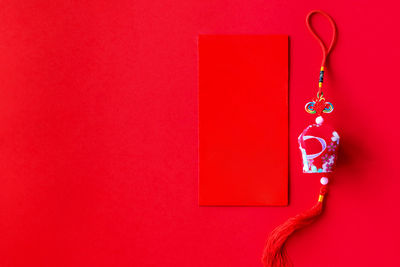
<point x="325" y="50"/>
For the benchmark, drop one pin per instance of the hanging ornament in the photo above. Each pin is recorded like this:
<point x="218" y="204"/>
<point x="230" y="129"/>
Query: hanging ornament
<point x="318" y="144"/>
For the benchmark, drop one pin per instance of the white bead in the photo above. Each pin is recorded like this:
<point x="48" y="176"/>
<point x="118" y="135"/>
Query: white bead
<point x="319" y="120"/>
<point x="324" y="180"/>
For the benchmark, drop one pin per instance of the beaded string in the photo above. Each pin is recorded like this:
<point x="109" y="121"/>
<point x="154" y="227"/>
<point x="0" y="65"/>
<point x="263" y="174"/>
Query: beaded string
<point x="319" y="105"/>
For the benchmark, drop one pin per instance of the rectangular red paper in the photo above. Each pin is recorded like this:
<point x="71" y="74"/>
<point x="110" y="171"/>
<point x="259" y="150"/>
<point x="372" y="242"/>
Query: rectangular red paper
<point x="243" y="120"/>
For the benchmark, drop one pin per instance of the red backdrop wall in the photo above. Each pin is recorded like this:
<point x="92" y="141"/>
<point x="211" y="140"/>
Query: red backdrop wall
<point x="99" y="137"/>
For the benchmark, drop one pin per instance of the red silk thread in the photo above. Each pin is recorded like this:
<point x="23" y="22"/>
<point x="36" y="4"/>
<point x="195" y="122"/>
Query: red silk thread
<point x="325" y="50"/>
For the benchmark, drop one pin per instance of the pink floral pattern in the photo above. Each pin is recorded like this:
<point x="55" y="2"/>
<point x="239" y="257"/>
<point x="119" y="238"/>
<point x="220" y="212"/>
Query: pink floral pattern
<point x="319" y="159"/>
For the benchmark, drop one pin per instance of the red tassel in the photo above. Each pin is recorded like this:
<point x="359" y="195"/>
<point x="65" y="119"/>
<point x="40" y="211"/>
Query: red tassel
<point x="275" y="252"/>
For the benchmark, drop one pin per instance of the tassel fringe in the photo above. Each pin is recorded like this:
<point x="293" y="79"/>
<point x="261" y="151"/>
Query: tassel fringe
<point x="275" y="253"/>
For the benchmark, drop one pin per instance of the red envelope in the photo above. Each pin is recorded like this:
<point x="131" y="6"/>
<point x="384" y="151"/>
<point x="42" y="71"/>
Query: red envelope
<point x="243" y="120"/>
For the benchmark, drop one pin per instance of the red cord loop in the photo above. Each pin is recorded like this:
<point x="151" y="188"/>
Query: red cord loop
<point x="325" y="50"/>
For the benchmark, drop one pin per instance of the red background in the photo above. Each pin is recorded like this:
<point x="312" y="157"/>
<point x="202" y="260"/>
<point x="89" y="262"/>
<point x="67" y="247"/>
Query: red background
<point x="99" y="146"/>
